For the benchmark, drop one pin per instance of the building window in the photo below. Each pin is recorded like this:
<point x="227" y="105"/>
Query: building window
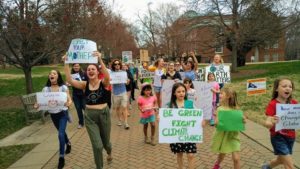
<point x="275" y="45"/>
<point x="267" y="58"/>
<point x="219" y="49"/>
<point x="275" y="56"/>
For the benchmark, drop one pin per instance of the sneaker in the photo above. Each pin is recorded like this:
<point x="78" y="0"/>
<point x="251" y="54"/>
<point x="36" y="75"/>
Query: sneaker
<point x="147" y="140"/>
<point x="216" y="166"/>
<point x="130" y="107"/>
<point x="79" y="126"/>
<point x="265" y="166"/>
<point x="61" y="163"/>
<point x="119" y="123"/>
<point x="211" y="122"/>
<point x="68" y="149"/>
<point x="126" y="126"/>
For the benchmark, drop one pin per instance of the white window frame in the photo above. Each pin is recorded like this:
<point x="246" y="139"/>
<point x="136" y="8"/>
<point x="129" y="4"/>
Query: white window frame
<point x="266" y="57"/>
<point x="219" y="47"/>
<point x="275" y="55"/>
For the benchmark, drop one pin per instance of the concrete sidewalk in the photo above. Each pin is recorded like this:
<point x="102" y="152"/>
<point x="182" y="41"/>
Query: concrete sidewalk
<point x="130" y="152"/>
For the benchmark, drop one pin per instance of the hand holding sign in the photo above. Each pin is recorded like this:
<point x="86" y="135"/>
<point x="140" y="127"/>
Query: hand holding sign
<point x="288" y="116"/>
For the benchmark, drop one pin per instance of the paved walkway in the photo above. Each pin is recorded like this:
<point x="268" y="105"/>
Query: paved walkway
<point x="130" y="152"/>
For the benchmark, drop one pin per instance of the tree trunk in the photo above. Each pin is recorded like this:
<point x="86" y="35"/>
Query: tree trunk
<point x="234" y="56"/>
<point x="28" y="80"/>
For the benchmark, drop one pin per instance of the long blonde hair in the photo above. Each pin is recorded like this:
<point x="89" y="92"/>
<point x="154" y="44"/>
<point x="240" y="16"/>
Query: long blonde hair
<point x="232" y="97"/>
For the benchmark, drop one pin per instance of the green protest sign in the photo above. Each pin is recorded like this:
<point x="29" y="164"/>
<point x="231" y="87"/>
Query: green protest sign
<point x="230" y="120"/>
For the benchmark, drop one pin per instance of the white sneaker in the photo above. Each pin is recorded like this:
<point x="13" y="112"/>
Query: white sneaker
<point x="119" y="123"/>
<point x="79" y="126"/>
<point x="126" y="126"/>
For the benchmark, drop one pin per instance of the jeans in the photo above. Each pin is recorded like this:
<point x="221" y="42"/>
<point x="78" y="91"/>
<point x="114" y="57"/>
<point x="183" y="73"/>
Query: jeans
<point x="79" y="102"/>
<point x="60" y="122"/>
<point x="98" y="126"/>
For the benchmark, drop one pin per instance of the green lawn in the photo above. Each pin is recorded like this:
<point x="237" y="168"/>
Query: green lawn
<point x="10" y="154"/>
<point x="12" y="120"/>
<point x="37" y="70"/>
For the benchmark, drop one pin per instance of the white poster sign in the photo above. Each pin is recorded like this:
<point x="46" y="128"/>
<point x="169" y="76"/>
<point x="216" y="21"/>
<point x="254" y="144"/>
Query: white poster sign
<point x="51" y="100"/>
<point x="222" y="73"/>
<point x="81" y="51"/>
<point x="118" y="77"/>
<point x="180" y="125"/>
<point x="289" y="116"/>
<point x="127" y="56"/>
<point x="203" y="96"/>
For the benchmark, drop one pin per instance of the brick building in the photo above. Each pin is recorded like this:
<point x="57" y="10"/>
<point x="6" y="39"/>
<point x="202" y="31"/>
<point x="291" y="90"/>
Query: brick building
<point x="202" y="34"/>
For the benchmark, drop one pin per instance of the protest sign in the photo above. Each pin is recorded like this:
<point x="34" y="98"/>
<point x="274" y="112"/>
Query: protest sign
<point x="53" y="101"/>
<point x="203" y="96"/>
<point x="144" y="56"/>
<point x="222" y="73"/>
<point x="180" y="125"/>
<point x="289" y="116"/>
<point x="76" y="76"/>
<point x="127" y="56"/>
<point x="118" y="77"/>
<point x="230" y="120"/>
<point x="146" y="74"/>
<point x="256" y="86"/>
<point x="81" y="51"/>
<point x="200" y="74"/>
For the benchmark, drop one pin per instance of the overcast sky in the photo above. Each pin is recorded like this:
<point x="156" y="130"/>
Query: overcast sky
<point x="129" y="8"/>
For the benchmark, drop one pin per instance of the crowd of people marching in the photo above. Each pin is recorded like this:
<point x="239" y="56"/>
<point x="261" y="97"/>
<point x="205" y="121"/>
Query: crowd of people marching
<point x="95" y="99"/>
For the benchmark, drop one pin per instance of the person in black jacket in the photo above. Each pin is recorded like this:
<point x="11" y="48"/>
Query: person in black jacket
<point x="78" y="94"/>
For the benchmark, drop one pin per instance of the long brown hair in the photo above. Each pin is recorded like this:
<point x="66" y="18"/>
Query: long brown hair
<point x="276" y="84"/>
<point x="173" y="96"/>
<point x="232" y="97"/>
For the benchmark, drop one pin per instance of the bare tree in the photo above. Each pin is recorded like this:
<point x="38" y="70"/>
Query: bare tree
<point x="244" y="24"/>
<point x="26" y="36"/>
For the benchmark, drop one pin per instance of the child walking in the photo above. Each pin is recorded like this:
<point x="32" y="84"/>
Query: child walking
<point x="282" y="140"/>
<point x="225" y="142"/>
<point x="147" y="104"/>
<point x="215" y="89"/>
<point x="179" y="100"/>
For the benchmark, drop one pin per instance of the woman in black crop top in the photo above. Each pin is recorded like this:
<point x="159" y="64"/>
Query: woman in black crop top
<point x="97" y="116"/>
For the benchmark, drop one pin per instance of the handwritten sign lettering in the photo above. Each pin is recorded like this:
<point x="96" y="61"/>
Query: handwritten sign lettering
<point x="81" y="50"/>
<point x="180" y="125"/>
<point x="118" y="77"/>
<point x="222" y="73"/>
<point x="289" y="116"/>
<point x="53" y="101"/>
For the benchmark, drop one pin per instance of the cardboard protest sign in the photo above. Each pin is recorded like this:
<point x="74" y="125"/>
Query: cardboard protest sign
<point x="256" y="86"/>
<point x="81" y="50"/>
<point x="127" y="56"/>
<point x="118" y="77"/>
<point x="146" y="74"/>
<point x="144" y="56"/>
<point x="230" y="120"/>
<point x="180" y="125"/>
<point x="203" y="96"/>
<point x="53" y="101"/>
<point x="289" y="116"/>
<point x="222" y="73"/>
